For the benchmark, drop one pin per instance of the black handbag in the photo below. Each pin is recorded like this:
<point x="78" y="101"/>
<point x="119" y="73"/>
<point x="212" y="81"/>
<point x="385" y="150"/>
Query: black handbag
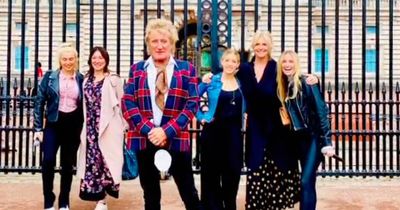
<point x="130" y="167"/>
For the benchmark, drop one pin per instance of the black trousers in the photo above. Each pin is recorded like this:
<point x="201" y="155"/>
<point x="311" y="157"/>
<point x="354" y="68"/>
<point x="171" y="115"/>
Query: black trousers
<point x="181" y="170"/>
<point x="64" y="134"/>
<point x="221" y="164"/>
<point x="310" y="157"/>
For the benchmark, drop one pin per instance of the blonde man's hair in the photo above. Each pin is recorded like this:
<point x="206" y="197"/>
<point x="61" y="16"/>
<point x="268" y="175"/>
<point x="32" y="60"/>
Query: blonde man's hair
<point x="282" y="79"/>
<point x="65" y="48"/>
<point x="163" y="26"/>
<point x="231" y="51"/>
<point x="267" y="37"/>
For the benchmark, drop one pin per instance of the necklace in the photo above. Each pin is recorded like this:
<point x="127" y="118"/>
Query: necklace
<point x="229" y="85"/>
<point x="233" y="99"/>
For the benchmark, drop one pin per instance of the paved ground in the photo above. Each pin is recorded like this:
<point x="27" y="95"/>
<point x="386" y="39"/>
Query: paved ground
<point x="23" y="192"/>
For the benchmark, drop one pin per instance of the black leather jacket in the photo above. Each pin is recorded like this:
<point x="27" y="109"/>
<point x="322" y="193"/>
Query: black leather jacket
<point x="48" y="98"/>
<point x="309" y="112"/>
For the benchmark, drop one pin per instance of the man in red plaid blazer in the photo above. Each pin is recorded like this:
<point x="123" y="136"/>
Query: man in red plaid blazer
<point x="162" y="123"/>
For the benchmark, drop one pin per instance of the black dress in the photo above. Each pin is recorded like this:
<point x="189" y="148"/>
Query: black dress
<point x="222" y="153"/>
<point x="273" y="178"/>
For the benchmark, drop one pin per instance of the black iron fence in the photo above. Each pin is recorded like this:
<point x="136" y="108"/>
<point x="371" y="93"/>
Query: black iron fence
<point x="350" y="44"/>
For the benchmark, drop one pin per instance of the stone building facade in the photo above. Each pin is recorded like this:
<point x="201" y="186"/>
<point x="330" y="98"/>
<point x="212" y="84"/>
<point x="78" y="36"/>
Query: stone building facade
<point x="193" y="51"/>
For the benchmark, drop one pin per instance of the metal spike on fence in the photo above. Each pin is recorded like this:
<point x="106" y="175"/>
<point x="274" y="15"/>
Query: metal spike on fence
<point x="397" y="87"/>
<point x="343" y="88"/>
<point x="1" y="84"/>
<point x="329" y="88"/>
<point x="384" y="88"/>
<point x="29" y="86"/>
<point x="15" y="86"/>
<point x="370" y="88"/>
<point x="357" y="88"/>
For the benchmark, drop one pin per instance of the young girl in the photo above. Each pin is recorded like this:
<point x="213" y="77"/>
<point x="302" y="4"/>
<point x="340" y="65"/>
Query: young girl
<point x="309" y="122"/>
<point x="221" y="139"/>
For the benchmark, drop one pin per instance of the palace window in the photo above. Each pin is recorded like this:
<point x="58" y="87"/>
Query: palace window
<point x="18" y="57"/>
<point x="318" y="60"/>
<point x="370" y="60"/>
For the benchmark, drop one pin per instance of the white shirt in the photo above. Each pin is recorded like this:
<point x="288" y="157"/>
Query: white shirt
<point x="151" y="81"/>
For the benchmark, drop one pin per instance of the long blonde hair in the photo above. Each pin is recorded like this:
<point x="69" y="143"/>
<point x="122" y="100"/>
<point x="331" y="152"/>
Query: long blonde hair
<point x="282" y="79"/>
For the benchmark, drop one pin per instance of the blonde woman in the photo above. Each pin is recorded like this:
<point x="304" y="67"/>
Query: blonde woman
<point x="309" y="123"/>
<point x="221" y="137"/>
<point x="60" y="94"/>
<point x="272" y="178"/>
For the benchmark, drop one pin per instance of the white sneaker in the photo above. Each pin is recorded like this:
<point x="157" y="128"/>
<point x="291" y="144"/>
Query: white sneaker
<point x="64" y="208"/>
<point x="101" y="206"/>
<point x="51" y="208"/>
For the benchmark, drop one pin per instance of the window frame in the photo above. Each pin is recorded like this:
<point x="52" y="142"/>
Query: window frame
<point x="17" y="58"/>
<point x="318" y="29"/>
<point x="327" y="60"/>
<point x="68" y="27"/>
<point x="368" y="31"/>
<point x="370" y="67"/>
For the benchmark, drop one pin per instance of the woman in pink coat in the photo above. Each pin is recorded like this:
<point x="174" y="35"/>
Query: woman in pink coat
<point x="100" y="156"/>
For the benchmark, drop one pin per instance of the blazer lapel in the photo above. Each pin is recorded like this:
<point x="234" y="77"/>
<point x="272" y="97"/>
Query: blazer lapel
<point x="143" y="93"/>
<point x="108" y="101"/>
<point x="174" y="84"/>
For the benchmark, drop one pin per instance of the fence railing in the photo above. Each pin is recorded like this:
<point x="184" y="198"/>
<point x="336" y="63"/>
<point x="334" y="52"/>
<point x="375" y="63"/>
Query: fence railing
<point x="365" y="133"/>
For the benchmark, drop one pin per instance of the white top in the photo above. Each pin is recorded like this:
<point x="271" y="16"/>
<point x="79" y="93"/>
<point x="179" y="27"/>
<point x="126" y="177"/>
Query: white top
<point x="151" y="81"/>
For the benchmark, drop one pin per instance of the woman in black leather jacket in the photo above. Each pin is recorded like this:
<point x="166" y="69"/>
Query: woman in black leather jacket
<point x="58" y="120"/>
<point x="309" y="122"/>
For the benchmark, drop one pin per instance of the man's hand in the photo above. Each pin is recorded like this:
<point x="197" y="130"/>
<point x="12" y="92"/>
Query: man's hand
<point x="207" y="78"/>
<point x="158" y="137"/>
<point x="311" y="79"/>
<point x="38" y="136"/>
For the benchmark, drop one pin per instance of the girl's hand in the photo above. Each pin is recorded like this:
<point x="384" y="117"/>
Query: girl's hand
<point x="311" y="79"/>
<point x="207" y="78"/>
<point x="204" y="109"/>
<point x="38" y="136"/>
<point x="328" y="151"/>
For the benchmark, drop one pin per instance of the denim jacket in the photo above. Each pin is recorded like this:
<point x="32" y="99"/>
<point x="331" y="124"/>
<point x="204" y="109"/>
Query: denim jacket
<point x="309" y="112"/>
<point x="213" y="90"/>
<point x="49" y="95"/>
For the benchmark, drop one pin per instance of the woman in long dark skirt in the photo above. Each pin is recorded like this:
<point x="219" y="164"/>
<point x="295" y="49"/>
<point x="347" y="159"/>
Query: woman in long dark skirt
<point x="273" y="180"/>
<point x="100" y="153"/>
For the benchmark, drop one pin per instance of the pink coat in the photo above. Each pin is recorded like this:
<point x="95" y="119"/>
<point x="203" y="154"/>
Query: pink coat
<point x="111" y="129"/>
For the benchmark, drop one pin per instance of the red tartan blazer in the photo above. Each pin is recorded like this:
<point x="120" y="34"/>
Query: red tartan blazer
<point x="180" y="107"/>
